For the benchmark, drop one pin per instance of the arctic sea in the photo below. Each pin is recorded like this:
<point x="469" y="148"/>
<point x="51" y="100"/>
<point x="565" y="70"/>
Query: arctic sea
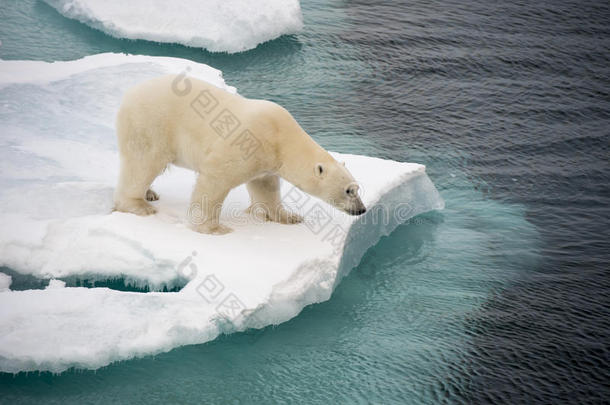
<point x="504" y="296"/>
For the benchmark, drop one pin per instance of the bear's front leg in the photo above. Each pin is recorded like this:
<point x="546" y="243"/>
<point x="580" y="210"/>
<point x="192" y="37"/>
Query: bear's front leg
<point x="206" y="204"/>
<point x="266" y="201"/>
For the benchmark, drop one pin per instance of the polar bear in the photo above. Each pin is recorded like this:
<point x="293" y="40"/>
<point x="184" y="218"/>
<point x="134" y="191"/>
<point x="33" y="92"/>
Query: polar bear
<point x="228" y="140"/>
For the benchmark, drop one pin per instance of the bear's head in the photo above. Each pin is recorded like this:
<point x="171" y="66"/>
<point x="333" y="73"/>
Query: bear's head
<point x="333" y="183"/>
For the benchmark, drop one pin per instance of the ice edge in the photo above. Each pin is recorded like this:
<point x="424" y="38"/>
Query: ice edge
<point x="281" y="306"/>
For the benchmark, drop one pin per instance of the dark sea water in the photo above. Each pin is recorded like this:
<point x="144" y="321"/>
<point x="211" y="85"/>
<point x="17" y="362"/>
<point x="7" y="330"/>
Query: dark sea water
<point x="503" y="297"/>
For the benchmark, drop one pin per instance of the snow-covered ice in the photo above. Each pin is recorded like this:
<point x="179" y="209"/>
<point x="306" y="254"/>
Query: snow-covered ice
<point x="217" y="25"/>
<point x="58" y="166"/>
<point x="54" y="283"/>
<point x="5" y="282"/>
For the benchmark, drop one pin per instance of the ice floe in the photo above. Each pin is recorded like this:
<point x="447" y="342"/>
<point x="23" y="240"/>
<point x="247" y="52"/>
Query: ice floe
<point x="58" y="166"/>
<point x="216" y="25"/>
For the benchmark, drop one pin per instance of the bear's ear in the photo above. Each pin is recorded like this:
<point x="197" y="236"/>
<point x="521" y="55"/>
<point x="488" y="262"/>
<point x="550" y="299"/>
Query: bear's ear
<point x="319" y="170"/>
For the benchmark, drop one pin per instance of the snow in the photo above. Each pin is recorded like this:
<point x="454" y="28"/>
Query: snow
<point x="5" y="282"/>
<point x="58" y="166"/>
<point x="217" y="25"/>
<point x="54" y="283"/>
<point x="37" y="72"/>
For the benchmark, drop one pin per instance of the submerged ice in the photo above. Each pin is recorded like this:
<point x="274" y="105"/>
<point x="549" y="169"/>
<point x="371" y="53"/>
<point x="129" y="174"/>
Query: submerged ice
<point x="59" y="166"/>
<point x="217" y="25"/>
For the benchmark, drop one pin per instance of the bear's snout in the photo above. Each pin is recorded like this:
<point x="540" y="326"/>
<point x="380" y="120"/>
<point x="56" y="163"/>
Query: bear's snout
<point x="358" y="208"/>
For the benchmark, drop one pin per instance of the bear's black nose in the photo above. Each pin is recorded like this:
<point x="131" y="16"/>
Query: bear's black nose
<point x="358" y="211"/>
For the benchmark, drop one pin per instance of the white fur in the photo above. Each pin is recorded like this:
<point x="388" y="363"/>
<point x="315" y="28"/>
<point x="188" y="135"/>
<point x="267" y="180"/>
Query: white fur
<point x="172" y="119"/>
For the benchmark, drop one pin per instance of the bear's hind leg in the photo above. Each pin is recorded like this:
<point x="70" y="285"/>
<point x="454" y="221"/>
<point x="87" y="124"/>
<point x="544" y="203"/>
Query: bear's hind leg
<point x="266" y="201"/>
<point x="133" y="187"/>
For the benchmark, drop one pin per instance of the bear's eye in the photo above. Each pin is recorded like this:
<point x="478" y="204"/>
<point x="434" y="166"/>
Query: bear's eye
<point x="352" y="190"/>
<point x="319" y="170"/>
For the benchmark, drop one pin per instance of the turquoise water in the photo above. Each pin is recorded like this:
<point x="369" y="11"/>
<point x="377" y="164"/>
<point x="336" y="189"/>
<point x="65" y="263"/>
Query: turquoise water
<point x="393" y="332"/>
<point x="453" y="306"/>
